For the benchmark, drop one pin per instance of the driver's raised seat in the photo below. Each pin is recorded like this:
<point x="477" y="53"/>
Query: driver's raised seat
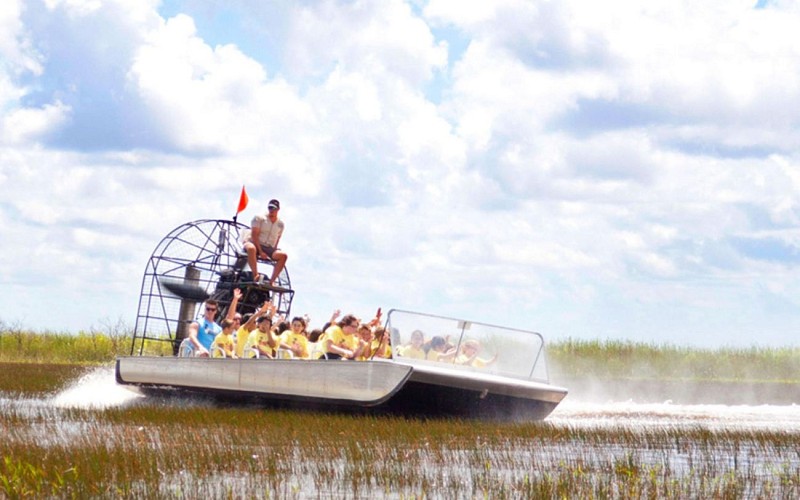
<point x="241" y="260"/>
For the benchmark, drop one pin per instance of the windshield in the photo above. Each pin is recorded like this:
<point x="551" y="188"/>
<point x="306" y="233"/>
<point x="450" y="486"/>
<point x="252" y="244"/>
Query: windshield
<point x="466" y="345"/>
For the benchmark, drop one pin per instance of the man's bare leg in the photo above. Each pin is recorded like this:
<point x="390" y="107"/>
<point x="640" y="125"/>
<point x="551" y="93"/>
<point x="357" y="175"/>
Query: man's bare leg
<point x="252" y="258"/>
<point x="280" y="261"/>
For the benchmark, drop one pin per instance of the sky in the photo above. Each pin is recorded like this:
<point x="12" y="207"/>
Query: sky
<point x="588" y="170"/>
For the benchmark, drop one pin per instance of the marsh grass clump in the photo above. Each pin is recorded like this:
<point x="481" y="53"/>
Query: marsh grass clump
<point x="614" y="359"/>
<point x="97" y="345"/>
<point x="23" y="479"/>
<point x="36" y="378"/>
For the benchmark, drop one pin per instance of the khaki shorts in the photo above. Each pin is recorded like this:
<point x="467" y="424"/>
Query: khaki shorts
<point x="268" y="250"/>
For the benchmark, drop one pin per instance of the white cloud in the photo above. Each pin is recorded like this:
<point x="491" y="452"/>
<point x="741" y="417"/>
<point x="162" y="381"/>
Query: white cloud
<point x="20" y="124"/>
<point x="136" y="11"/>
<point x="25" y="125"/>
<point x="382" y="39"/>
<point x="592" y="169"/>
<point x="17" y="54"/>
<point x="199" y="95"/>
<point x="219" y="101"/>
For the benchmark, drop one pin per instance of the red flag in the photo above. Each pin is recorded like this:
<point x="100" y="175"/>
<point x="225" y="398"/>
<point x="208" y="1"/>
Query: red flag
<point x="243" y="199"/>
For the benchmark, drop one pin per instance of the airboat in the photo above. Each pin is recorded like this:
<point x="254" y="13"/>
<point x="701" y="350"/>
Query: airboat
<point x="204" y="259"/>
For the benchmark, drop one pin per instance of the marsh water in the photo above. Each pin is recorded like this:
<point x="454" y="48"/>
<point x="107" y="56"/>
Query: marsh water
<point x="98" y="390"/>
<point x="677" y="438"/>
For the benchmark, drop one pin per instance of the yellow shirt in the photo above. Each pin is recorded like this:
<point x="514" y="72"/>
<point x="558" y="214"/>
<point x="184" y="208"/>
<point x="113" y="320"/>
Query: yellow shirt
<point x="410" y="351"/>
<point x="373" y="347"/>
<point x="252" y="340"/>
<point x="462" y="359"/>
<point x="338" y="338"/>
<point x="295" y="340"/>
<point x="261" y="341"/>
<point x="433" y="355"/>
<point x="242" y="335"/>
<point x="225" y="342"/>
<point x="316" y="349"/>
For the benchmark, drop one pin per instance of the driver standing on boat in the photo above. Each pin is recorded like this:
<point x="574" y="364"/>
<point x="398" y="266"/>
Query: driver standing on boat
<point x="265" y="234"/>
<point x="203" y="331"/>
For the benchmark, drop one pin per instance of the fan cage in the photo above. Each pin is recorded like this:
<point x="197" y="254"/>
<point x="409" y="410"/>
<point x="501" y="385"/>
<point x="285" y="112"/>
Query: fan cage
<point x="208" y="257"/>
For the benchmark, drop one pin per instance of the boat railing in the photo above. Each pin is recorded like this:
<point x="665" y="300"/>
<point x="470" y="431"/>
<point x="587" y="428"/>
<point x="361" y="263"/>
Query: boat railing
<point x="469" y="345"/>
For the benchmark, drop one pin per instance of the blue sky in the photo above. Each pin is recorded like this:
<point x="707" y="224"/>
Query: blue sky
<point x="624" y="170"/>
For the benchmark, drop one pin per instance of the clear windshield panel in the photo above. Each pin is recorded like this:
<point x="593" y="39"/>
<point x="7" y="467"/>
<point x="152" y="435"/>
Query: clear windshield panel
<point x="467" y="345"/>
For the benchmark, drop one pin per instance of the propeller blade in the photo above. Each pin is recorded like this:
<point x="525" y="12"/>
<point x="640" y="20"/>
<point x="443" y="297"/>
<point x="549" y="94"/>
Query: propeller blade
<point x="184" y="290"/>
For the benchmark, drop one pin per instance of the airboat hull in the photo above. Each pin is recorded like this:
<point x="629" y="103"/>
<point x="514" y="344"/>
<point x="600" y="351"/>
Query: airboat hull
<point x="451" y="391"/>
<point x="360" y="384"/>
<point x="383" y="385"/>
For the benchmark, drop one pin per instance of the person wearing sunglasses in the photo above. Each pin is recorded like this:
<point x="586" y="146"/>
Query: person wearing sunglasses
<point x="203" y="331"/>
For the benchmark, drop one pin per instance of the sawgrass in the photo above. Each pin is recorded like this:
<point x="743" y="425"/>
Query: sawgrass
<point x="31" y="379"/>
<point x="96" y="345"/>
<point x="620" y="359"/>
<point x="568" y="359"/>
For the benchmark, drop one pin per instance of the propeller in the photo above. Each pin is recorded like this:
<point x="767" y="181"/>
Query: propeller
<point x="185" y="291"/>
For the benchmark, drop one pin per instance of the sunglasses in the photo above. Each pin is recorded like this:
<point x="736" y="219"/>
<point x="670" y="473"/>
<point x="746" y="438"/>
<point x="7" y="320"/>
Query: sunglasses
<point x="211" y="309"/>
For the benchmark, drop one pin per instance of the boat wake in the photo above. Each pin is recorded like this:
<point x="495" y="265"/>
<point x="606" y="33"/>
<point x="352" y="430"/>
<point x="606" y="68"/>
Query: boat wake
<point x="629" y="413"/>
<point x="97" y="389"/>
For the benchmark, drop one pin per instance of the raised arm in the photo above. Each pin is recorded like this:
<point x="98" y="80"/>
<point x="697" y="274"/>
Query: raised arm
<point x="449" y="355"/>
<point x="250" y="324"/>
<point x="490" y="360"/>
<point x="237" y="295"/>
<point x="377" y="319"/>
<point x="334" y="315"/>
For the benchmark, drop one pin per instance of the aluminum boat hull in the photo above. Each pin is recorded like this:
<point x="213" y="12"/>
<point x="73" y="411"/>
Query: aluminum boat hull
<point x="383" y="385"/>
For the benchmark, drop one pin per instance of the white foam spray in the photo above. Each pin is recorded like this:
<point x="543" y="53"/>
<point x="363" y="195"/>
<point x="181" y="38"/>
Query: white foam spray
<point x="97" y="389"/>
<point x="629" y="413"/>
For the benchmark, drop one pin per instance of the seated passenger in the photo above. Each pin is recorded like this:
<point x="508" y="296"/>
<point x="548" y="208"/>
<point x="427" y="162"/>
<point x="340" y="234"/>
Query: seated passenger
<point x="469" y="355"/>
<point x="414" y="348"/>
<point x="224" y="340"/>
<point x="262" y="338"/>
<point x="243" y="333"/>
<point x="295" y="339"/>
<point x="380" y="346"/>
<point x="314" y="335"/>
<point x="364" y="333"/>
<point x="203" y="331"/>
<point x="282" y="328"/>
<point x="340" y="341"/>
<point x="436" y="349"/>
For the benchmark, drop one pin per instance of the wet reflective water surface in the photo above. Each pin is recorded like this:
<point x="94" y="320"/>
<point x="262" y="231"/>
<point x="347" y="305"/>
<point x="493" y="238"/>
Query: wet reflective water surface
<point x="98" y="390"/>
<point x="599" y="440"/>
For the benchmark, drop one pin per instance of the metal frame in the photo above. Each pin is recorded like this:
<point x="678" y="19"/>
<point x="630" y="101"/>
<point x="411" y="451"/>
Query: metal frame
<point x="207" y="256"/>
